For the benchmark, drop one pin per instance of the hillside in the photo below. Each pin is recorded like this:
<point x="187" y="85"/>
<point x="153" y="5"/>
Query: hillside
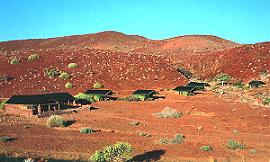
<point x="122" y="61"/>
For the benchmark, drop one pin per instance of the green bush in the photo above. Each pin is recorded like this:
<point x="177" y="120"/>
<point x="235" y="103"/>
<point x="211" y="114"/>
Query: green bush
<point x="52" y="73"/>
<point x="252" y="151"/>
<point x="14" y="61"/>
<point x="168" y="112"/>
<point x="72" y="65"/>
<point x="266" y="101"/>
<point x="206" y="148"/>
<point x="121" y="151"/>
<point x="85" y="97"/>
<point x="87" y="130"/>
<point x="178" y="139"/>
<point x="5" y="77"/>
<point x="33" y="57"/>
<point x="68" y="85"/>
<point x="97" y="85"/>
<point x="2" y="105"/>
<point x="135" y="123"/>
<point x="239" y="84"/>
<point x="6" y="139"/>
<point x="233" y="145"/>
<point x="64" y="76"/>
<point x="55" y="121"/>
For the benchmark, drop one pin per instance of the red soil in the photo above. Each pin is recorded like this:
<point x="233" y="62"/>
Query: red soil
<point x="217" y="117"/>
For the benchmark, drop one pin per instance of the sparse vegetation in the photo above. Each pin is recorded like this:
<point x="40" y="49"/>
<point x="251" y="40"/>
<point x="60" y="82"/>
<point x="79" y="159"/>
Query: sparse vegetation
<point x="252" y="151"/>
<point x="266" y="101"/>
<point x="72" y="65"/>
<point x="168" y="112"/>
<point x="5" y="78"/>
<point x="64" y="76"/>
<point x="2" y="105"/>
<point x="6" y="139"/>
<point x="52" y="73"/>
<point x="87" y="130"/>
<point x="178" y="139"/>
<point x="239" y="84"/>
<point x="68" y="85"/>
<point x="85" y="97"/>
<point x="14" y="61"/>
<point x="121" y="151"/>
<point x="222" y="78"/>
<point x="206" y="148"/>
<point x="97" y="85"/>
<point x="135" y="123"/>
<point x="233" y="145"/>
<point x="33" y="57"/>
<point x="55" y="121"/>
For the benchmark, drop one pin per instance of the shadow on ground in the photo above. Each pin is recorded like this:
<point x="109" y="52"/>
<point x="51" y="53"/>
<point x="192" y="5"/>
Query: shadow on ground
<point x="4" y="158"/>
<point x="153" y="155"/>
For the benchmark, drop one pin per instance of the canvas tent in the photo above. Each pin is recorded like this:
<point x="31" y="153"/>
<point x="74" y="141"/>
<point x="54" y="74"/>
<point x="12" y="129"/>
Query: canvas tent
<point x="256" y="84"/>
<point x="185" y="90"/>
<point x="143" y="94"/>
<point x="198" y="86"/>
<point x="42" y="102"/>
<point x="99" y="94"/>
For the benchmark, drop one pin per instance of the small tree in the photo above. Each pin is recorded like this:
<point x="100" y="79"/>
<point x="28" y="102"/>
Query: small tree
<point x="85" y="97"/>
<point x="121" y="151"/>
<point x="222" y="78"/>
<point x="2" y="105"/>
<point x="97" y="85"/>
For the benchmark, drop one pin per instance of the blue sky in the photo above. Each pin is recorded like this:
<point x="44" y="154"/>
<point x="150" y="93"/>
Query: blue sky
<point x="243" y="21"/>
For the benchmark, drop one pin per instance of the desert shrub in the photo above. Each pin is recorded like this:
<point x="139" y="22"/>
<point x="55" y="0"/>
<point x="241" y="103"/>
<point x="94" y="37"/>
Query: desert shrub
<point x="64" y="76"/>
<point x="121" y="151"/>
<point x="68" y="85"/>
<point x="266" y="101"/>
<point x="72" y="65"/>
<point x="5" y="77"/>
<point x="135" y="123"/>
<point x="52" y="73"/>
<point x="233" y="145"/>
<point x="85" y="97"/>
<point x="33" y="57"/>
<point x="6" y="139"/>
<point x="168" y="112"/>
<point x="130" y="99"/>
<point x="163" y="141"/>
<point x="97" y="85"/>
<point x="222" y="77"/>
<point x="14" y="61"/>
<point x="55" y="121"/>
<point x="264" y="73"/>
<point x="239" y="84"/>
<point x="206" y="148"/>
<point x="178" y="139"/>
<point x="142" y="134"/>
<point x="87" y="130"/>
<point x="2" y="105"/>
<point x="252" y="151"/>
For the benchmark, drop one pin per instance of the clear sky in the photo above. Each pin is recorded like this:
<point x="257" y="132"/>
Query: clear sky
<point x="243" y="21"/>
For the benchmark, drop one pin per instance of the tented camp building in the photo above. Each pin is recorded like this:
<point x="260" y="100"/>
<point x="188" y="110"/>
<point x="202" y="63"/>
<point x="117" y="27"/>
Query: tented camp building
<point x="185" y="90"/>
<point x="99" y="95"/>
<point x="40" y="103"/>
<point x="144" y="94"/>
